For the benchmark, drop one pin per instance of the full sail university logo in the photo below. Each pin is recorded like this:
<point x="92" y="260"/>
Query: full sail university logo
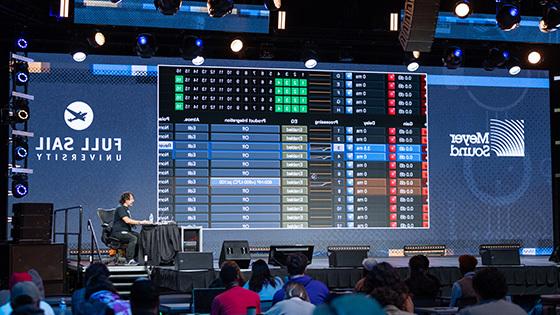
<point x="506" y="138"/>
<point x="78" y="115"/>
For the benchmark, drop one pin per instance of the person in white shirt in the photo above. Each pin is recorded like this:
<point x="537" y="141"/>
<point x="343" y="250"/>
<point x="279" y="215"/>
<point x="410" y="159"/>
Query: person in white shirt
<point x="296" y="302"/>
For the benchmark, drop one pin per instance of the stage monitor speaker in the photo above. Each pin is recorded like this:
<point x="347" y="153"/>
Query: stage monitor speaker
<point x="419" y="25"/>
<point x="194" y="261"/>
<point x="426" y="250"/>
<point x="32" y="222"/>
<point x="347" y="256"/>
<point x="500" y="254"/>
<point x="237" y="251"/>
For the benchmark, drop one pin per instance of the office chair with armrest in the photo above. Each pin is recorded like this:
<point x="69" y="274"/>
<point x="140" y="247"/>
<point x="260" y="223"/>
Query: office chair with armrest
<point x="117" y="248"/>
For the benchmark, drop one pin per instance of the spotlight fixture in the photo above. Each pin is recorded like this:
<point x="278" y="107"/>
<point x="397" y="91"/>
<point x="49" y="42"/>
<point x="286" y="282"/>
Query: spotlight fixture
<point x="79" y="55"/>
<point x="508" y="14"/>
<point x="273" y="5"/>
<point x="21" y="110"/>
<point x="309" y="58"/>
<point x="219" y="8"/>
<point x="20" y="73"/>
<point x="191" y="47"/>
<point x="168" y="7"/>
<point x="453" y="57"/>
<point x="411" y="60"/>
<point x="550" y="21"/>
<point x="513" y="66"/>
<point x="534" y="57"/>
<point x="20" y="148"/>
<point x="96" y="39"/>
<point x="198" y="60"/>
<point x="21" y="43"/>
<point x="146" y="45"/>
<point x="236" y="45"/>
<point x="463" y="9"/>
<point x="496" y="58"/>
<point x="20" y="186"/>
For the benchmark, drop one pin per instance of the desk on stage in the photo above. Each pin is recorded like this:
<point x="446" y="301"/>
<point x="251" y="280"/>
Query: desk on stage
<point x="160" y="243"/>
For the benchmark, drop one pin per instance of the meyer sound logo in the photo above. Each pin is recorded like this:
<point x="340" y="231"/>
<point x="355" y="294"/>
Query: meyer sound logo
<point x="78" y="115"/>
<point x="506" y="139"/>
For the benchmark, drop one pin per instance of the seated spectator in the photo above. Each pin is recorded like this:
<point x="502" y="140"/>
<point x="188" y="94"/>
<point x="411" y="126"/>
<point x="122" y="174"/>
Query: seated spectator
<point x="317" y="290"/>
<point x="463" y="288"/>
<point x="490" y="287"/>
<point x="296" y="302"/>
<point x="19" y="277"/>
<point x="36" y="278"/>
<point x="421" y="284"/>
<point x="384" y="284"/>
<point x="102" y="298"/>
<point x="262" y="281"/>
<point x="79" y="296"/>
<point x="144" y="297"/>
<point x="235" y="300"/>
<point x="367" y="264"/>
<point x="350" y="304"/>
<point x="25" y="298"/>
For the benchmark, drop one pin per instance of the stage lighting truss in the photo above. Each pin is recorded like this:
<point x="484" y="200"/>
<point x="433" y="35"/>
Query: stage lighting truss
<point x="550" y="21"/>
<point x="191" y="47"/>
<point x="146" y="45"/>
<point x="453" y="57"/>
<point x="20" y="72"/>
<point x="219" y="8"/>
<point x="496" y="58"/>
<point x="508" y="14"/>
<point x="20" y="110"/>
<point x="168" y="7"/>
<point x="21" y="44"/>
<point x="20" y="185"/>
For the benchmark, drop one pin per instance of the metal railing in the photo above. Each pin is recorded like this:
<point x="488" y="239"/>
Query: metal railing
<point x="94" y="243"/>
<point x="66" y="233"/>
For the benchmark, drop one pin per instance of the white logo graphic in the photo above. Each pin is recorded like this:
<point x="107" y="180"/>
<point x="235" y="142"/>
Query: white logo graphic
<point x="78" y="115"/>
<point x="508" y="137"/>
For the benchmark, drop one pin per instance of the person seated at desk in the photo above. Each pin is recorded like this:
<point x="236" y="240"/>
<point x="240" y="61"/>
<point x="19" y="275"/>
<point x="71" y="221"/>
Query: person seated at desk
<point x="262" y="281"/>
<point x="296" y="302"/>
<point x="235" y="300"/>
<point x="463" y="288"/>
<point x="122" y="227"/>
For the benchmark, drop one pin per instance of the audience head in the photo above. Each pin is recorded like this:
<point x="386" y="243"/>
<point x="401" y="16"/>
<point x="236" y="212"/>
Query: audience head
<point x="350" y="304"/>
<point x="419" y="264"/>
<point x="490" y="284"/>
<point x="260" y="276"/>
<point x="19" y="277"/>
<point x="96" y="269"/>
<point x="368" y="264"/>
<point x="98" y="283"/>
<point x="388" y="296"/>
<point x="296" y="264"/>
<point x="36" y="278"/>
<point x="467" y="263"/>
<point x="24" y="293"/>
<point x="294" y="289"/>
<point x="230" y="274"/>
<point x="144" y="297"/>
<point x="381" y="275"/>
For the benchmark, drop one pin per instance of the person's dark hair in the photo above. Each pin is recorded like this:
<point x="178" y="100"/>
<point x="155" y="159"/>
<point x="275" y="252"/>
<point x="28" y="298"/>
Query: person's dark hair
<point x="125" y="196"/>
<point x="99" y="283"/>
<point x="418" y="264"/>
<point x="294" y="289"/>
<point x="23" y="300"/>
<point x="230" y="274"/>
<point x="296" y="264"/>
<point x="144" y="296"/>
<point x="467" y="263"/>
<point x="384" y="275"/>
<point x="490" y="284"/>
<point x="388" y="296"/>
<point x="260" y="276"/>
<point x="96" y="269"/>
<point x="27" y="309"/>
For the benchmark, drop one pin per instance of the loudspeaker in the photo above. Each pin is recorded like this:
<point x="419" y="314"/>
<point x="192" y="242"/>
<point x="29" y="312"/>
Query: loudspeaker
<point x="48" y="259"/>
<point x="194" y="261"/>
<point x="500" y="254"/>
<point x="347" y="256"/>
<point x="237" y="251"/>
<point x="32" y="222"/>
<point x="419" y="25"/>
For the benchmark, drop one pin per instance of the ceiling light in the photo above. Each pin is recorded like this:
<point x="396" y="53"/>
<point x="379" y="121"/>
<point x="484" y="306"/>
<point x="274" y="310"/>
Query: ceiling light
<point x="96" y="39"/>
<point x="513" y="66"/>
<point x="462" y="9"/>
<point x="309" y="58"/>
<point x="534" y="57"/>
<point x="146" y="45"/>
<point x="273" y="5"/>
<point x="191" y="47"/>
<point x="453" y="57"/>
<point x="508" y="14"/>
<point x="168" y="7"/>
<point x="551" y="17"/>
<point x="236" y="45"/>
<point x="198" y="60"/>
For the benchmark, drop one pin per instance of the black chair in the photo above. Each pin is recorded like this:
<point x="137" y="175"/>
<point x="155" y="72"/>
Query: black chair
<point x="116" y="246"/>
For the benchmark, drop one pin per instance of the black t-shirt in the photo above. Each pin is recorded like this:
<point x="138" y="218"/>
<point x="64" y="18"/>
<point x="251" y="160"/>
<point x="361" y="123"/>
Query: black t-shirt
<point x="118" y="224"/>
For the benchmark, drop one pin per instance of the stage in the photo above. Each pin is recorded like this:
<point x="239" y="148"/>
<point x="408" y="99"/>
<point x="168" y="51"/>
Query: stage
<point x="535" y="276"/>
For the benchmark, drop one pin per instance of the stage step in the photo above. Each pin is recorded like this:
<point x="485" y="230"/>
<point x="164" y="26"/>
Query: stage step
<point x="123" y="277"/>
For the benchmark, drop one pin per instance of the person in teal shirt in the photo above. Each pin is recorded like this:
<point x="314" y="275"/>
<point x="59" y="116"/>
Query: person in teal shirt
<point x="263" y="283"/>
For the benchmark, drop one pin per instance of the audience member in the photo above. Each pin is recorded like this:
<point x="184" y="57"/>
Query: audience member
<point x="21" y="277"/>
<point x="24" y="296"/>
<point x="296" y="302"/>
<point x="102" y="298"/>
<point x="317" y="290"/>
<point x="36" y="278"/>
<point x="490" y="287"/>
<point x="367" y="264"/>
<point x="463" y="288"/>
<point x="79" y="296"/>
<point x="421" y="284"/>
<point x="350" y="304"/>
<point x="235" y="300"/>
<point x="262" y="281"/>
<point x="385" y="285"/>
<point x="144" y="297"/>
